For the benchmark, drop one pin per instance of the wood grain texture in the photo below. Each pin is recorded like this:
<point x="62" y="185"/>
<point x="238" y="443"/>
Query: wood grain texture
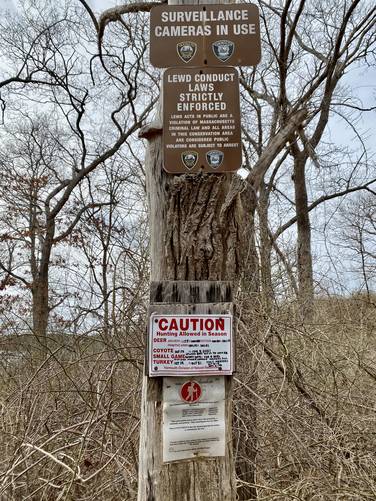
<point x="200" y="226"/>
<point x="190" y="292"/>
<point x="200" y="479"/>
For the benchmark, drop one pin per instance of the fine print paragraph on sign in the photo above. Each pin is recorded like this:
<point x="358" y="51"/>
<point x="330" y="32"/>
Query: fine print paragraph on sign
<point x="197" y="429"/>
<point x="181" y="345"/>
<point x="201" y="120"/>
<point x="199" y="35"/>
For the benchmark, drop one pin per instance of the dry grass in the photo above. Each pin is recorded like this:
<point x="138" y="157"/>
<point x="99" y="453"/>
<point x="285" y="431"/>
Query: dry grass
<point x="69" y="424"/>
<point x="316" y="404"/>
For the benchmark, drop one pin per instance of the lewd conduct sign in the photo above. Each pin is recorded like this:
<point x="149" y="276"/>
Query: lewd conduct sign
<point x="201" y="120"/>
<point x="190" y="344"/>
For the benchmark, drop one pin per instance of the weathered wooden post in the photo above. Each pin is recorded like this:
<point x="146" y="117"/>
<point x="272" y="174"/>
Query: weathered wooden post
<point x="201" y="479"/>
<point x="198" y="242"/>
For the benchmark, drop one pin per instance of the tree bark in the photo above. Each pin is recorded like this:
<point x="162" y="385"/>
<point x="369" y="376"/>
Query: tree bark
<point x="199" y="231"/>
<point x="304" y="254"/>
<point x="265" y="249"/>
<point x="40" y="307"/>
<point x="40" y="290"/>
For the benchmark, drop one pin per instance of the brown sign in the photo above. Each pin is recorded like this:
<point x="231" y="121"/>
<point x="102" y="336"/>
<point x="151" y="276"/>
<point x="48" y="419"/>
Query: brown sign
<point x="199" y="35"/>
<point x="201" y="120"/>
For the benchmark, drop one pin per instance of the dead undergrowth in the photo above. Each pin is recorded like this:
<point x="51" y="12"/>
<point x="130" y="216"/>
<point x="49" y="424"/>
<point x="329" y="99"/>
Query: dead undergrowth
<point x="69" y="423"/>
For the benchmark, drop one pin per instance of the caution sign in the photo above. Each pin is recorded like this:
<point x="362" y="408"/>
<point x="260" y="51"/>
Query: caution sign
<point x="199" y="35"/>
<point x="190" y="344"/>
<point x="201" y="120"/>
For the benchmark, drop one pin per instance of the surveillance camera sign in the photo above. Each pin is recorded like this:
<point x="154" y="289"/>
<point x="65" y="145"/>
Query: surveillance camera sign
<point x="199" y="35"/>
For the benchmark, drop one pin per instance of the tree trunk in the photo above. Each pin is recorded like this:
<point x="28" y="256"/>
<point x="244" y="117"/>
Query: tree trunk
<point x="199" y="231"/>
<point x="305" y="272"/>
<point x="245" y="404"/>
<point x="265" y="249"/>
<point x="40" y="291"/>
<point x="40" y="308"/>
<point x="202" y="479"/>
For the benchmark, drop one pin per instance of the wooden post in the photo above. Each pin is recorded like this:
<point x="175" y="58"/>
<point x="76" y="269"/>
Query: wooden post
<point x="199" y="232"/>
<point x="202" y="479"/>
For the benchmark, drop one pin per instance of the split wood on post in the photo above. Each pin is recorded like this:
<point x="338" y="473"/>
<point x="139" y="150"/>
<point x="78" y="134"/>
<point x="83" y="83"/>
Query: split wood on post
<point x="201" y="479"/>
<point x="198" y="234"/>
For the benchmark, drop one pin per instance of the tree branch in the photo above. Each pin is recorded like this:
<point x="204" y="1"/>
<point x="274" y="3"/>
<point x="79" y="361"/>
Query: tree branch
<point x="320" y="200"/>
<point x="275" y="146"/>
<point x="112" y="15"/>
<point x="77" y="219"/>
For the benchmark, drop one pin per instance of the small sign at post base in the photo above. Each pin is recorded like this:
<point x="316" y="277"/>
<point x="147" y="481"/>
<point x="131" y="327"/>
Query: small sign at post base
<point x="193" y="429"/>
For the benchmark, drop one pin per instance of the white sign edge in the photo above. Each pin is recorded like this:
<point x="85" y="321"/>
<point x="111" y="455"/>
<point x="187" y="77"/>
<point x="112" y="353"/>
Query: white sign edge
<point x="215" y="372"/>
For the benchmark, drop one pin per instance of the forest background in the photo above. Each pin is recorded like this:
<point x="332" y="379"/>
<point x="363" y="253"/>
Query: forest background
<point x="76" y="92"/>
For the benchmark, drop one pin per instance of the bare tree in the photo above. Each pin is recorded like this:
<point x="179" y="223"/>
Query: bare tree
<point x="280" y="86"/>
<point x="54" y="66"/>
<point x="111" y="239"/>
<point x="358" y="223"/>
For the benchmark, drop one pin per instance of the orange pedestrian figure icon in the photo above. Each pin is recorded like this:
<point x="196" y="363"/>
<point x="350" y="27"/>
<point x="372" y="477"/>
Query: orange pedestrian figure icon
<point x="190" y="391"/>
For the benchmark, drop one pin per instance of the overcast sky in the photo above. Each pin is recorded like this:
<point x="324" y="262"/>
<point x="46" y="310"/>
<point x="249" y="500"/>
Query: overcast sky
<point x="361" y="84"/>
<point x="96" y="4"/>
<point x="7" y="4"/>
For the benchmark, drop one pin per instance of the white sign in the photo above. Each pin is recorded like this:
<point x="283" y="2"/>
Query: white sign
<point x="182" y="345"/>
<point x="197" y="429"/>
